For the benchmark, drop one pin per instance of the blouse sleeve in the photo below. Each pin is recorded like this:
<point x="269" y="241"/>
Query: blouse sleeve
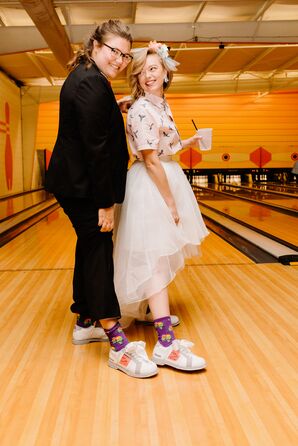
<point x="143" y="128"/>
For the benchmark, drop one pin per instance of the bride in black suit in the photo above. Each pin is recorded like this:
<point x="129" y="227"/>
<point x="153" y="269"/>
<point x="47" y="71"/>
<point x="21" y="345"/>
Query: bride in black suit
<point x="87" y="174"/>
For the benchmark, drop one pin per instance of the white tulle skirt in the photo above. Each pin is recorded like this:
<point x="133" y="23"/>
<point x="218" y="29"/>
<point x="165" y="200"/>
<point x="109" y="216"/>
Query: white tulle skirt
<point x="149" y="248"/>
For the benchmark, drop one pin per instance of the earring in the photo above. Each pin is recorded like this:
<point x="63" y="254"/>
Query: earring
<point x="166" y="79"/>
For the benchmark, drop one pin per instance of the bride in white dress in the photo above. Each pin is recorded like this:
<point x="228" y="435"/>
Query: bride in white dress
<point x="160" y="224"/>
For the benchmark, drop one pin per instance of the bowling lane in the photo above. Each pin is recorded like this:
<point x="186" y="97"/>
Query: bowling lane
<point x="50" y="244"/>
<point x="277" y="224"/>
<point x="288" y="190"/>
<point x="273" y="188"/>
<point x="281" y="188"/>
<point x="274" y="199"/>
<point x="13" y="205"/>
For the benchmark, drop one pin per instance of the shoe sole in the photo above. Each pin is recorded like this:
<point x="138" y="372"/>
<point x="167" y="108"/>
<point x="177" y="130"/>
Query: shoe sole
<point x="127" y="372"/>
<point x="161" y="363"/>
<point x="139" y="322"/>
<point x="88" y="341"/>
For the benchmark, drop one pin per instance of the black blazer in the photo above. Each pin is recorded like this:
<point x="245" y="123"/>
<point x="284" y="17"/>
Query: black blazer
<point x="90" y="155"/>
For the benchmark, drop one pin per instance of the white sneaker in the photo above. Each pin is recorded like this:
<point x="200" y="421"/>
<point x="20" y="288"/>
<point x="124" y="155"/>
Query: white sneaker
<point x="178" y="355"/>
<point x="133" y="360"/>
<point x="81" y="335"/>
<point x="148" y="320"/>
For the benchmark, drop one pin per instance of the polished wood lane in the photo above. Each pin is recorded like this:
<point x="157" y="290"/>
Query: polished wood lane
<point x="262" y="218"/>
<point x="51" y="243"/>
<point x="243" y="320"/>
<point x="15" y="204"/>
<point x="241" y="316"/>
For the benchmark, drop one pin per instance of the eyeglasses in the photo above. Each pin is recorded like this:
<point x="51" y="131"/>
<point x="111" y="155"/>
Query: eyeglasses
<point x="127" y="58"/>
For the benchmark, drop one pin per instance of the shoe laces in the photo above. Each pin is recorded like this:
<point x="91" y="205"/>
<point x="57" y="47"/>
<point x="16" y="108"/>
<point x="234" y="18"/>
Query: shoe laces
<point x="136" y="349"/>
<point x="183" y="346"/>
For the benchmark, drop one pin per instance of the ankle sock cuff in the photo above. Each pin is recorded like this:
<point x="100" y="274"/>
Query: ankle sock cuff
<point x="83" y="321"/>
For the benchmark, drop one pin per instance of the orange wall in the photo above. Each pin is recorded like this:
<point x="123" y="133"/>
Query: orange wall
<point x="242" y="124"/>
<point x="47" y="125"/>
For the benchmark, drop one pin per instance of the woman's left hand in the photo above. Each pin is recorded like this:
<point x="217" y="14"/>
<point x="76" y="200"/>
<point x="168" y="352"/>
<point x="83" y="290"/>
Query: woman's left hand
<point x="106" y="219"/>
<point x="194" y="140"/>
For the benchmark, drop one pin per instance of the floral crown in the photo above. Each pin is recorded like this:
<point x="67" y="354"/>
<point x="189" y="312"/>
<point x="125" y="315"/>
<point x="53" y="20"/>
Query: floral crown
<point x="163" y="52"/>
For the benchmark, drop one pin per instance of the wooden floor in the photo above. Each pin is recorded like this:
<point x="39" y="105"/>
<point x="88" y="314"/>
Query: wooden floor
<point x="241" y="316"/>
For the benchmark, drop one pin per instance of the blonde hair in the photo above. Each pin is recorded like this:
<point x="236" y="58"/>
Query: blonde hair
<point x="114" y="27"/>
<point x="135" y="68"/>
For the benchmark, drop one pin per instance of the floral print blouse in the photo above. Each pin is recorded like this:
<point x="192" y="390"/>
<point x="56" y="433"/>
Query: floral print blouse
<point x="150" y="125"/>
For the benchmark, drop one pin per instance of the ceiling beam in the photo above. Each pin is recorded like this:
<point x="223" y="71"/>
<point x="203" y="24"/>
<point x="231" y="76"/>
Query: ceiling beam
<point x="241" y="31"/>
<point x="66" y="14"/>
<point x="287" y="64"/>
<point x="253" y="62"/>
<point x="212" y="63"/>
<point x="178" y="50"/>
<point x="183" y="84"/>
<point x="292" y="81"/>
<point x="39" y="65"/>
<point x="259" y="15"/>
<point x="187" y="84"/>
<point x="284" y="66"/>
<point x="133" y="12"/>
<point x="46" y="20"/>
<point x="65" y="10"/>
<point x="65" y="2"/>
<point x="15" y="39"/>
<point x="201" y="8"/>
<point x="2" y="18"/>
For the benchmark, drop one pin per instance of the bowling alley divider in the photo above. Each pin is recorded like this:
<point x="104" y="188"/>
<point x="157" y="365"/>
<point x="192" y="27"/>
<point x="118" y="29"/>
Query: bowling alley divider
<point x="247" y="134"/>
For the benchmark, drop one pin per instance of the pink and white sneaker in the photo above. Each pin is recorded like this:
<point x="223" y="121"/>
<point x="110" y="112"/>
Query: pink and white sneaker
<point x="178" y="356"/>
<point x="133" y="360"/>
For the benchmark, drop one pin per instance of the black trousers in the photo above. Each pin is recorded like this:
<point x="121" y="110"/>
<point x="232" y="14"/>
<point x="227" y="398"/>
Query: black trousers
<point x="93" y="280"/>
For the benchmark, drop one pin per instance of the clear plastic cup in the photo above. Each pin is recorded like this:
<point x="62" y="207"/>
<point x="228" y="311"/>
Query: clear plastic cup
<point x="205" y="143"/>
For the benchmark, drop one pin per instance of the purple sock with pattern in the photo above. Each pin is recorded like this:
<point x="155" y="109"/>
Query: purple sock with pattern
<point x="83" y="321"/>
<point x="117" y="338"/>
<point x="164" y="330"/>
